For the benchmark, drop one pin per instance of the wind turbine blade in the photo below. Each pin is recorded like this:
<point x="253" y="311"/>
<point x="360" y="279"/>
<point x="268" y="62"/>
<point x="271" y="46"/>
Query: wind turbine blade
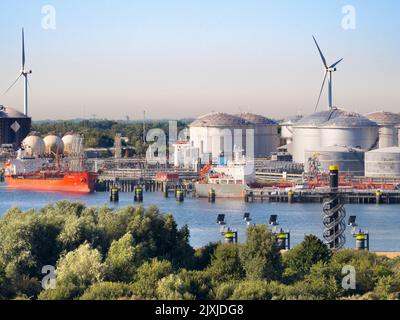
<point x="320" y="93"/>
<point x="9" y="88"/>
<point x="23" y="49"/>
<point x="321" y="54"/>
<point x="336" y="63"/>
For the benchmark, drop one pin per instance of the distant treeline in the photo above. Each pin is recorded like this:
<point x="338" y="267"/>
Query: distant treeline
<point x="137" y="253"/>
<point x="101" y="133"/>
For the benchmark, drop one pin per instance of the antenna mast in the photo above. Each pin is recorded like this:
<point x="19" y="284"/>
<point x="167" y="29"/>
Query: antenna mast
<point x="144" y="126"/>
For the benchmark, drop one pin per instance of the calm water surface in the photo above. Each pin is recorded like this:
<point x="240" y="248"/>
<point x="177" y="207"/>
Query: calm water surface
<point x="383" y="222"/>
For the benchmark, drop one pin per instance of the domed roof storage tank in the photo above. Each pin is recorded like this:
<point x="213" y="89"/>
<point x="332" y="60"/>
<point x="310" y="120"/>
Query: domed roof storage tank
<point x="53" y="145"/>
<point x="389" y="123"/>
<point x="266" y="137"/>
<point x="33" y="146"/>
<point x="350" y="160"/>
<point x="383" y="162"/>
<point x="211" y="132"/>
<point x="350" y="129"/>
<point x="306" y="135"/>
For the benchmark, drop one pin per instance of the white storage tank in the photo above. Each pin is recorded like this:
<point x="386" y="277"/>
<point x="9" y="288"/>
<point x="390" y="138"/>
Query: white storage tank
<point x="306" y="133"/>
<point x="211" y="132"/>
<point x="350" y="160"/>
<point x="33" y="146"/>
<point x="68" y="140"/>
<point x="383" y="162"/>
<point x="350" y="129"/>
<point x="388" y="123"/>
<point x="287" y="128"/>
<point x="53" y="145"/>
<point x="266" y="137"/>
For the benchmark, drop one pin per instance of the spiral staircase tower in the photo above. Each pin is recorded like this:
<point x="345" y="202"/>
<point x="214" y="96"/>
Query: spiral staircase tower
<point x="334" y="213"/>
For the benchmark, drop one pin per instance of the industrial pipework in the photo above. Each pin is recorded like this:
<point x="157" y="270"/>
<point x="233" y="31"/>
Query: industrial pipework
<point x="334" y="213"/>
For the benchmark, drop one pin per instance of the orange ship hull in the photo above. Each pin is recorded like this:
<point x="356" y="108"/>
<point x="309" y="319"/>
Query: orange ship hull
<point x="82" y="182"/>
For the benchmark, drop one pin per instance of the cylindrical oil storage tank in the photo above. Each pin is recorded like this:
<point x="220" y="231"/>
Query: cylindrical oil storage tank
<point x="306" y="133"/>
<point x="211" y="132"/>
<point x="33" y="146"/>
<point x="350" y="129"/>
<point x="383" y="162"/>
<point x="53" y="145"/>
<point x="68" y="140"/>
<point x="287" y="128"/>
<point x="350" y="160"/>
<point x="388" y="123"/>
<point x="266" y="137"/>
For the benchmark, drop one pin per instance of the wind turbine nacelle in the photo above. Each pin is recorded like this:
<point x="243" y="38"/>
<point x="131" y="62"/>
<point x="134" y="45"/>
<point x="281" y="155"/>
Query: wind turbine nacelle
<point x="331" y="69"/>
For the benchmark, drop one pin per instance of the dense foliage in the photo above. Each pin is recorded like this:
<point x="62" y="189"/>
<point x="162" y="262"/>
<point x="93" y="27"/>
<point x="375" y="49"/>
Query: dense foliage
<point x="137" y="253"/>
<point x="101" y="133"/>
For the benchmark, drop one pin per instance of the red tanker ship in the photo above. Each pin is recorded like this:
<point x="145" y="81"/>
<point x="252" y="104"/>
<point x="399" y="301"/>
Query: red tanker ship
<point x="28" y="174"/>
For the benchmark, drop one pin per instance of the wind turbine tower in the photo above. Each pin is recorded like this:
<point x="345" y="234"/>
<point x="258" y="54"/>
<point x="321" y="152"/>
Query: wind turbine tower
<point x="328" y="71"/>
<point x="24" y="72"/>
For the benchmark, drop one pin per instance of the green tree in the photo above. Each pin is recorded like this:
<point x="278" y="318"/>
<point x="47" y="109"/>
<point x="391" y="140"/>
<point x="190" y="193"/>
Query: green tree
<point x="159" y="236"/>
<point x="368" y="266"/>
<point x="224" y="290"/>
<point x="252" y="290"/>
<point x="122" y="259"/>
<point x="203" y="255"/>
<point x="260" y="256"/>
<point x="300" y="259"/>
<point x="147" y="277"/>
<point x="18" y="253"/>
<point x="387" y="288"/>
<point x="320" y="284"/>
<point x="185" y="285"/>
<point x="226" y="264"/>
<point x="76" y="271"/>
<point x="107" y="291"/>
<point x="172" y="287"/>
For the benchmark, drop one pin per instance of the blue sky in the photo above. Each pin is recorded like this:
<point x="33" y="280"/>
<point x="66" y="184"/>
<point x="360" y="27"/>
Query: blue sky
<point x="183" y="58"/>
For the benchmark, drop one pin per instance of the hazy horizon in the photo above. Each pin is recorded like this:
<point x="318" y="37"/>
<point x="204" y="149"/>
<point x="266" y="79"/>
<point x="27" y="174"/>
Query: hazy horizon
<point x="180" y="58"/>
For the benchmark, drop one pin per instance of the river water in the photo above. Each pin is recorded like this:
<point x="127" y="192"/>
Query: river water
<point x="382" y="221"/>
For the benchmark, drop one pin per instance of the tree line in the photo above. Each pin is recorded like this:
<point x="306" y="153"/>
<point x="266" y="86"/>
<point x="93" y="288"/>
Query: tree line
<point x="101" y="133"/>
<point x="138" y="253"/>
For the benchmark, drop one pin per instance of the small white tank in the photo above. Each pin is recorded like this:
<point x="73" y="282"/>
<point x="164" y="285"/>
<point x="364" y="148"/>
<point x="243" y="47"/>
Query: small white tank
<point x="383" y="162"/>
<point x="34" y="146"/>
<point x="68" y="140"/>
<point x="53" y="145"/>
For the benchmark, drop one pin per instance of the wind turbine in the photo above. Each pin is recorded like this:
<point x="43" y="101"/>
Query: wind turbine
<point x="24" y="72"/>
<point x="328" y="70"/>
